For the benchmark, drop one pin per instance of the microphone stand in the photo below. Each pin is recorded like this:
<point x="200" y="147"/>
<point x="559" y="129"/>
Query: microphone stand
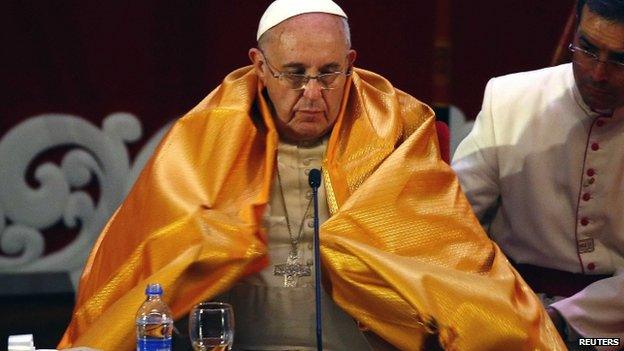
<point x="314" y="179"/>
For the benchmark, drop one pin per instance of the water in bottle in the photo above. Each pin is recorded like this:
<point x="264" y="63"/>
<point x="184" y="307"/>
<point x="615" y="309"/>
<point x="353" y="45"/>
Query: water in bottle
<point x="154" y="322"/>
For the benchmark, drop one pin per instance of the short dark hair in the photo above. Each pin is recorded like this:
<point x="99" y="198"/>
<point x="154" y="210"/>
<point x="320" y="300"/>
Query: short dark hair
<point x="612" y="10"/>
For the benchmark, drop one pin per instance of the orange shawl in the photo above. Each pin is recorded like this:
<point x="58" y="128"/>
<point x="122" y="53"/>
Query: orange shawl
<point x="402" y="251"/>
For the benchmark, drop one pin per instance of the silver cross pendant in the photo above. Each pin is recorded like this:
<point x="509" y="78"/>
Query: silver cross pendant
<point x="292" y="270"/>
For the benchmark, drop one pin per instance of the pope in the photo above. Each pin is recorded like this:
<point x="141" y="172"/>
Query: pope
<point x="223" y="211"/>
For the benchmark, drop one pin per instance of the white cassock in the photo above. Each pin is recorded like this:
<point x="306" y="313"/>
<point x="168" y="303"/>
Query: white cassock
<point x="545" y="175"/>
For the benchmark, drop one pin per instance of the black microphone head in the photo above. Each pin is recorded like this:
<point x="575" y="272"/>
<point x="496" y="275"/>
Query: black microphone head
<point x="314" y="178"/>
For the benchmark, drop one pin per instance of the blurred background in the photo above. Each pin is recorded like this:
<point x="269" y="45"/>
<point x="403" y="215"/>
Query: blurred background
<point x="88" y="88"/>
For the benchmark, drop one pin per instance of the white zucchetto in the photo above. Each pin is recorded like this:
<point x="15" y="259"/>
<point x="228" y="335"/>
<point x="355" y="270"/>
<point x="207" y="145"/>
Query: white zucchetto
<point x="281" y="10"/>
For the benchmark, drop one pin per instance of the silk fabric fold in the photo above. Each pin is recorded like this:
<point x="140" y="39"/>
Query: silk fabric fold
<point x="402" y="253"/>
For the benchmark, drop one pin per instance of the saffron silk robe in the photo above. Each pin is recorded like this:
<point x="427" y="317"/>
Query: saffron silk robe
<point x="402" y="252"/>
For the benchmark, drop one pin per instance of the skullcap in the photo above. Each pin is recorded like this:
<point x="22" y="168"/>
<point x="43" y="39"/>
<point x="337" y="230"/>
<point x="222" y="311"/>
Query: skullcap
<point x="281" y="10"/>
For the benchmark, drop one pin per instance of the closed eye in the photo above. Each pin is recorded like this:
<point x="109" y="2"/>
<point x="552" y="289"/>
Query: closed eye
<point x="586" y="45"/>
<point x="617" y="57"/>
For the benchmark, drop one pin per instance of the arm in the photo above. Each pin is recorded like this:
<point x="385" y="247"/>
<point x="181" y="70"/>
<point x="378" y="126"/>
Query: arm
<point x="598" y="310"/>
<point x="173" y="228"/>
<point x="475" y="161"/>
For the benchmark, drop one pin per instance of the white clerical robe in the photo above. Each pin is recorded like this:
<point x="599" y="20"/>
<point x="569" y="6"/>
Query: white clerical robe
<point x="270" y="316"/>
<point x="544" y="175"/>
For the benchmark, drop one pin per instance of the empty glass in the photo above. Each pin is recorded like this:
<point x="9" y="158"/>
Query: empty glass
<point x="211" y="326"/>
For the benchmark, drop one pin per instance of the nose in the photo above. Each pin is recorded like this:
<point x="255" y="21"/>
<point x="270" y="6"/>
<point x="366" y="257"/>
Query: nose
<point x="599" y="71"/>
<point x="313" y="90"/>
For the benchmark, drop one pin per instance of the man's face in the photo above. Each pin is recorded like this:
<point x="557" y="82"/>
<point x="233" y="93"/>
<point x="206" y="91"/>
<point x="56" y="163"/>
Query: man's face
<point x="310" y="44"/>
<point x="601" y="84"/>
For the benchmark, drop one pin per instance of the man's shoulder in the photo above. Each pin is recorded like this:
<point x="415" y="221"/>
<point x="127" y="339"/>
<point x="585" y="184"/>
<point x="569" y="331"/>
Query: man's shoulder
<point x="413" y="112"/>
<point x="234" y="98"/>
<point x="535" y="80"/>
<point x="236" y="93"/>
<point x="529" y="91"/>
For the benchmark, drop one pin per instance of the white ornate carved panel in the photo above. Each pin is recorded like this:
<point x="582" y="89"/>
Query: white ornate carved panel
<point x="58" y="192"/>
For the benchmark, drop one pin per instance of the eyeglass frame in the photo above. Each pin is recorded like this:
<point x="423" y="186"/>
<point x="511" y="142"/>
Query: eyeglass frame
<point x="595" y="58"/>
<point x="306" y="77"/>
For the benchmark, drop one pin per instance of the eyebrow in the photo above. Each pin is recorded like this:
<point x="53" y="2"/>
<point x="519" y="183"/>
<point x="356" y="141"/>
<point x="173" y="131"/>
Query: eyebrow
<point x="333" y="66"/>
<point x="583" y="40"/>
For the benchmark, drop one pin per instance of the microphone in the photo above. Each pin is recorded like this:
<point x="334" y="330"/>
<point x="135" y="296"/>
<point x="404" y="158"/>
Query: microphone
<point x="314" y="179"/>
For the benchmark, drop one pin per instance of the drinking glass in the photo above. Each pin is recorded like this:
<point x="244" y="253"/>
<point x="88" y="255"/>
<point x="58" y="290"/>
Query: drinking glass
<point x="211" y="326"/>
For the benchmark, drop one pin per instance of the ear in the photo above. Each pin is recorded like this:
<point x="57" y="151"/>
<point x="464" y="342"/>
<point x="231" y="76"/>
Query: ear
<point x="257" y="60"/>
<point x="351" y="56"/>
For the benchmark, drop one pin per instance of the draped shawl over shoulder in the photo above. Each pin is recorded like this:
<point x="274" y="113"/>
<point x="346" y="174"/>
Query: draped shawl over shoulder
<point x="402" y="252"/>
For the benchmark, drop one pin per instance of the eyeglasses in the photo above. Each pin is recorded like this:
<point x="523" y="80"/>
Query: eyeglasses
<point x="297" y="81"/>
<point x="586" y="58"/>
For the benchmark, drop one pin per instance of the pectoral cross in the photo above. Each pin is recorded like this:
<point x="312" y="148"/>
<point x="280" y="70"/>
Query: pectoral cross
<point x="292" y="270"/>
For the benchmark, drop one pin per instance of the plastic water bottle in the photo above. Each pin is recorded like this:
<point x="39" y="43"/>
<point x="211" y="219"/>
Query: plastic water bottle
<point x="154" y="322"/>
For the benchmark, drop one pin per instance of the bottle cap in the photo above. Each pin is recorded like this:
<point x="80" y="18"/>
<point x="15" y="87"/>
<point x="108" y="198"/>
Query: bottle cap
<point x="22" y="342"/>
<point x="153" y="289"/>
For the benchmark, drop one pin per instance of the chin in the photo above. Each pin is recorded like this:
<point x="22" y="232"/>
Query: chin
<point x="597" y="104"/>
<point x="309" y="136"/>
<point x="308" y="133"/>
<point x="600" y="106"/>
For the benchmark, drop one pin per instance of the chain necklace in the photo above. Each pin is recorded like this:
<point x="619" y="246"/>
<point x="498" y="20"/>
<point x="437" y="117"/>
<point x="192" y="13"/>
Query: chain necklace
<point x="292" y="269"/>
